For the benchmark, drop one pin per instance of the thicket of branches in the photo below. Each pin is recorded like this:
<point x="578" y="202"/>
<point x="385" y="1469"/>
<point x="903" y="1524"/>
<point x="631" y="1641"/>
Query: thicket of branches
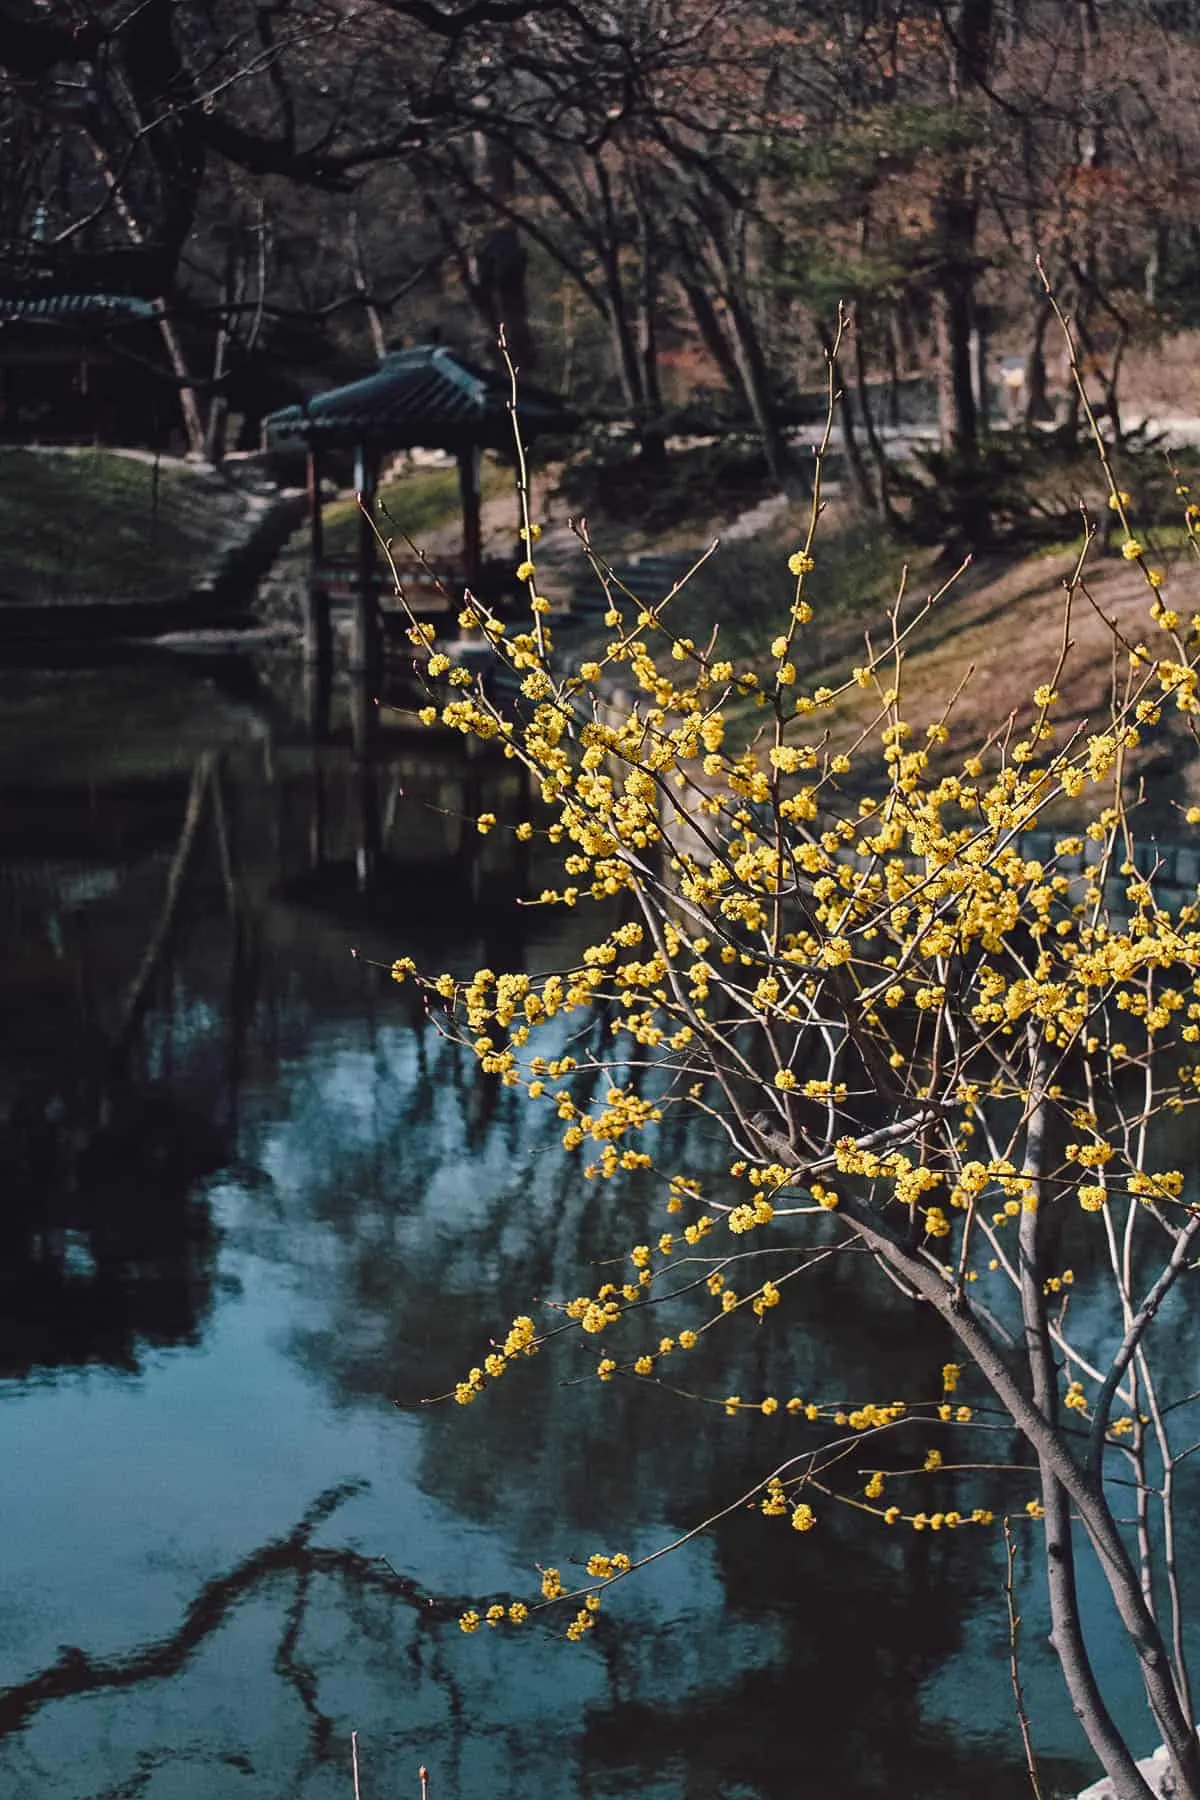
<point x="943" y="1017"/>
<point x="658" y="198"/>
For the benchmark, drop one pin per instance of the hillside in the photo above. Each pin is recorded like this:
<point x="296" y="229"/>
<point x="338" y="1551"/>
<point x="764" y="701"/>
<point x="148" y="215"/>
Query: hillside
<point x="108" y="526"/>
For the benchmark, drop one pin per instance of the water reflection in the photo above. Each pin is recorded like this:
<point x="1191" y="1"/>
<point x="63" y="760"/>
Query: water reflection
<point x="75" y="1673"/>
<point x="258" y="1208"/>
<point x="105" y="1247"/>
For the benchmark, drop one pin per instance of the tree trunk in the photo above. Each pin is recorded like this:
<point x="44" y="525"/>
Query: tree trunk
<point x="756" y="385"/>
<point x="1037" y="404"/>
<point x="632" y="325"/>
<point x="737" y="345"/>
<point x="1156" y="262"/>
<point x="1066" y="1635"/>
<point x="232" y="288"/>
<point x="362" y="287"/>
<point x="498" y="264"/>
<point x="956" y="213"/>
<point x="711" y="330"/>
<point x="953" y="309"/>
<point x="1056" y="1461"/>
<point x="854" y="457"/>
<point x="653" y="438"/>
<point x="634" y="360"/>
<point x="875" y="444"/>
<point x="189" y="404"/>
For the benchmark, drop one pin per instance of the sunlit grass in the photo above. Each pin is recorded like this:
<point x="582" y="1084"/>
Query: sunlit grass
<point x="417" y="503"/>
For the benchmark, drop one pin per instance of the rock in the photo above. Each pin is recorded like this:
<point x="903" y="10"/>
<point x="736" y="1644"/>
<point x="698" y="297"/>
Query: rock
<point x="1156" y="1769"/>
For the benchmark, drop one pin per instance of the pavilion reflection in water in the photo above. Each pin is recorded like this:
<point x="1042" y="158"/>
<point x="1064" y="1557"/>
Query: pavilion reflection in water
<point x="136" y="912"/>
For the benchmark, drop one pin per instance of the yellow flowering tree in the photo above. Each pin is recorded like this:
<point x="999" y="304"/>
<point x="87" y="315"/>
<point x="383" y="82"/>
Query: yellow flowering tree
<point x="834" y="944"/>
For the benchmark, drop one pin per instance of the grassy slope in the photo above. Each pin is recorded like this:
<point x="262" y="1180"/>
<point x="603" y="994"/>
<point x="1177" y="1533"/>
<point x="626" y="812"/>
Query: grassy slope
<point x="1002" y="626"/>
<point x="999" y="626"/>
<point x="97" y="525"/>
<point x="94" y="524"/>
<point x="745" y="589"/>
<point x="416" y="503"/>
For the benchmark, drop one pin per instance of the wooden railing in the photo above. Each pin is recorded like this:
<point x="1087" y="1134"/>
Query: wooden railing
<point x="429" y="588"/>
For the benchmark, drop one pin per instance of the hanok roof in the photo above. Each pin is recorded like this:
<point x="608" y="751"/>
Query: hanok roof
<point x="426" y="397"/>
<point x="93" y="311"/>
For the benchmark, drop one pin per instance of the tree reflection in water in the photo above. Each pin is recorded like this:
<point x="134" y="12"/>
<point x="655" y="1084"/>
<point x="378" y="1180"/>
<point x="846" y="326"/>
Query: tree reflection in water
<point x="76" y="1673"/>
<point x="105" y="1246"/>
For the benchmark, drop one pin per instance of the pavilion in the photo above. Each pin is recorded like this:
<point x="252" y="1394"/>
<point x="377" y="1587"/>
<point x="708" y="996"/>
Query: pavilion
<point x="65" y="364"/>
<point x="426" y="397"/>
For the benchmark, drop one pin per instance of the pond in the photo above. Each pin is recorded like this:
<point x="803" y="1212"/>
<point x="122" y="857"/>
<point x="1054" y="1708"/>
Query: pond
<point x="257" y="1208"/>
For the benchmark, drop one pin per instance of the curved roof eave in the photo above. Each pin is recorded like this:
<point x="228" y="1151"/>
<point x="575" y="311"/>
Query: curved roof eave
<point x="425" y="398"/>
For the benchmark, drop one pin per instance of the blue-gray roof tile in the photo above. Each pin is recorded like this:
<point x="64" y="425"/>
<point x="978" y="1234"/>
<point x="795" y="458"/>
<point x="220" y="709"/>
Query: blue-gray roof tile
<point x="424" y="396"/>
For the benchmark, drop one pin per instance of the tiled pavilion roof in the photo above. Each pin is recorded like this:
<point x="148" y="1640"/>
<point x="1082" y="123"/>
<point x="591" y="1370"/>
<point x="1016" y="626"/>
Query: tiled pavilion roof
<point x="94" y="311"/>
<point x="423" y="397"/>
<point x="74" y="314"/>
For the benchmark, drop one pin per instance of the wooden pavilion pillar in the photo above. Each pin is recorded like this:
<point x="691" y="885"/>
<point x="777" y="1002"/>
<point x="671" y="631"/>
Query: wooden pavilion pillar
<point x="365" y="657"/>
<point x="364" y="737"/>
<point x="469" y="489"/>
<point x="318" y="636"/>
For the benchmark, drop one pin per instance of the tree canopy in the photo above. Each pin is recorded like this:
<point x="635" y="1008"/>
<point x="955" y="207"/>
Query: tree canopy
<point x="660" y="202"/>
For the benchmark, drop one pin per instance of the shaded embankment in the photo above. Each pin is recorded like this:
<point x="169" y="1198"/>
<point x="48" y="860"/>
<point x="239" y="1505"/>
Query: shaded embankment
<point x="103" y="544"/>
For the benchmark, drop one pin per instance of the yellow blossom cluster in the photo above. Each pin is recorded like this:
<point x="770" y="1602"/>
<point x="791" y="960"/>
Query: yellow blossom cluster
<point x="521" y="1340"/>
<point x="878" y="966"/>
<point x="937" y="1521"/>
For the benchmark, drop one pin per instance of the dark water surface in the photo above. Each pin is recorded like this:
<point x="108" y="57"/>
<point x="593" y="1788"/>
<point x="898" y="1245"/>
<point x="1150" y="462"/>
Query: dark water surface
<point x="251" y="1199"/>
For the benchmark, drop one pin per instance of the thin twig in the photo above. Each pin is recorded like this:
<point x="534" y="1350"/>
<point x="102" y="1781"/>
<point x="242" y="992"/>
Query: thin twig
<point x="1014" y="1666"/>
